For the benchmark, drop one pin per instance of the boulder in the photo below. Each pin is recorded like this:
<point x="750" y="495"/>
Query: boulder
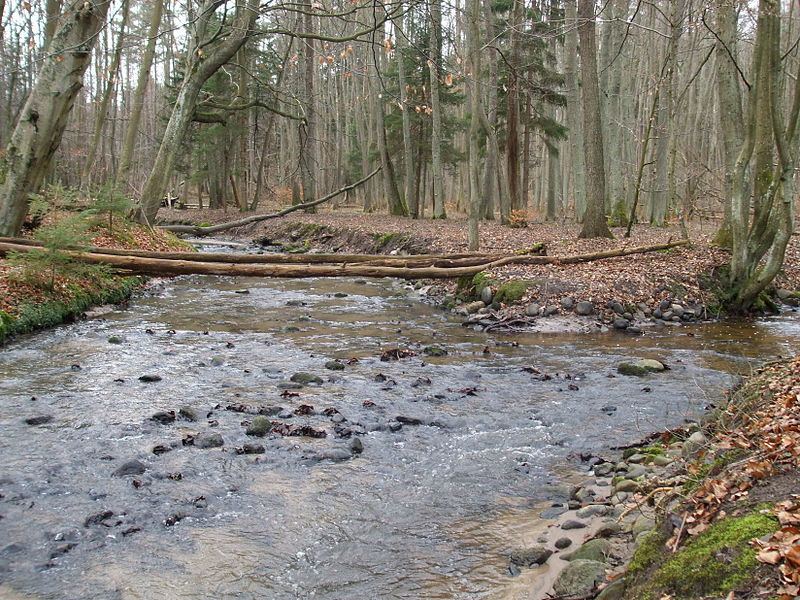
<point x="579" y="578"/>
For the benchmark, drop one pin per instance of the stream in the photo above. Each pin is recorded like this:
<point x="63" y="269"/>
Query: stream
<point x="460" y="451"/>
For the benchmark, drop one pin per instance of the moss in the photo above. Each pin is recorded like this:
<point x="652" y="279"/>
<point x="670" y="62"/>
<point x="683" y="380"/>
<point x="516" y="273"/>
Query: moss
<point x="511" y="291"/>
<point x="646" y="553"/>
<point x="383" y="240"/>
<point x="713" y="563"/>
<point x="618" y="216"/>
<point x="471" y="286"/>
<point x="52" y="312"/>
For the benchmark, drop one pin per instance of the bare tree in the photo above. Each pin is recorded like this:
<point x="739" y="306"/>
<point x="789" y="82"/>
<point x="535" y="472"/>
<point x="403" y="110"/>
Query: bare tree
<point x="41" y="123"/>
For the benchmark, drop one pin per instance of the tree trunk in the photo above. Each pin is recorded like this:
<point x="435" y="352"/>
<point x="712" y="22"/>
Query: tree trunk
<point x="594" y="220"/>
<point x="574" y="117"/>
<point x="102" y="109"/>
<point x="729" y="98"/>
<point x="202" y="63"/>
<point x="41" y="123"/>
<point x="436" y="107"/>
<point x="409" y="190"/>
<point x="308" y="129"/>
<point x="474" y="67"/>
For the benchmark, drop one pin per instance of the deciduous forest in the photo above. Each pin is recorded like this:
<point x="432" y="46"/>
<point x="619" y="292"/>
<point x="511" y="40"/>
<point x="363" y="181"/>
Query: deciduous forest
<point x="508" y="110"/>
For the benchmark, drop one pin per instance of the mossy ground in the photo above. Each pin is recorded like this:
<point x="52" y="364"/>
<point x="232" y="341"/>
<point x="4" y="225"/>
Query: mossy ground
<point x="52" y="310"/>
<point x="714" y="562"/>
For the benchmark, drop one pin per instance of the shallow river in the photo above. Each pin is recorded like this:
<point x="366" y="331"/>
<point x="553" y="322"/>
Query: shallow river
<point x="429" y="509"/>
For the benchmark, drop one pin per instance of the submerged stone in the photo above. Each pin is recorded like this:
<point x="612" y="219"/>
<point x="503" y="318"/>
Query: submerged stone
<point x="306" y="378"/>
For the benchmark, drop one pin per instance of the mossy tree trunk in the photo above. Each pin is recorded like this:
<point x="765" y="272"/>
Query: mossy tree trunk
<point x="761" y="233"/>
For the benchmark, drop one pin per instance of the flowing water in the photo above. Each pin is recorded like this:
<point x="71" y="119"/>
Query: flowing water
<point x="429" y="509"/>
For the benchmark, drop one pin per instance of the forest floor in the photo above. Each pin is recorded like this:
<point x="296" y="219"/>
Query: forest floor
<point x="685" y="274"/>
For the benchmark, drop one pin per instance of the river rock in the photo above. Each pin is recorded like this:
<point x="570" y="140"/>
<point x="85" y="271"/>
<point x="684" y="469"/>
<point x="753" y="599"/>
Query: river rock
<point x="131" y="467"/>
<point x="562" y="543"/>
<point x="40" y="420"/>
<point x="553" y="512"/>
<point x="150" y="378"/>
<point x="356" y="446"/>
<point x="532" y="310"/>
<point x="208" y="440"/>
<point x="163" y="417"/>
<point x="435" y="350"/>
<point x="613" y="591"/>
<point x="641" y="524"/>
<point x="187" y="414"/>
<point x="621" y="323"/>
<point x="306" y="378"/>
<point x="609" y="529"/>
<point x="567" y="303"/>
<point x="572" y="524"/>
<point x="260" y="427"/>
<point x="617" y="308"/>
<point x="602" y="469"/>
<point x="474" y="307"/>
<point x="593" y="510"/>
<point x="584" y="308"/>
<point x="636" y="471"/>
<point x="694" y="443"/>
<point x="579" y="578"/>
<point x="626" y="485"/>
<point x="253" y="449"/>
<point x="536" y="555"/>
<point x="596" y="550"/>
<point x="115" y="339"/>
<point x="636" y="458"/>
<point x="551" y="310"/>
<point x="662" y="461"/>
<point x="486" y="294"/>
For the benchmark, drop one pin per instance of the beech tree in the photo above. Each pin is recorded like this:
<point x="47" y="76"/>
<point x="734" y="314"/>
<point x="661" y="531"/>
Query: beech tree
<point x="204" y="57"/>
<point x="41" y="122"/>
<point x="594" y="219"/>
<point x="762" y="211"/>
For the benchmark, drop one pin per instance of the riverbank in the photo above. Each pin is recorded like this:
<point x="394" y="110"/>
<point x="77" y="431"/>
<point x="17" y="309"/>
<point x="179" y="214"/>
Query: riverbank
<point x="663" y="288"/>
<point x="47" y="289"/>
<point x="709" y="511"/>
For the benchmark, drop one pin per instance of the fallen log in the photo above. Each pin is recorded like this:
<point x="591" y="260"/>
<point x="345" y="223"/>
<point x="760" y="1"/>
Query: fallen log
<point x="200" y="231"/>
<point x="337" y="268"/>
<point x="415" y="260"/>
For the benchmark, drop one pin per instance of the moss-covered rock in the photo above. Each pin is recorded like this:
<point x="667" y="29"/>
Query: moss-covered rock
<point x="511" y="291"/>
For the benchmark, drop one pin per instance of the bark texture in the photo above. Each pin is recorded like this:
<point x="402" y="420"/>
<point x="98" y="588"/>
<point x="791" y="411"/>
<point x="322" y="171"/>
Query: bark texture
<point x="41" y="123"/>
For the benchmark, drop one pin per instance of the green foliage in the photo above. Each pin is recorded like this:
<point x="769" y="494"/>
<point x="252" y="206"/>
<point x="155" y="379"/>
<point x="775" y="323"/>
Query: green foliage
<point x="110" y="200"/>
